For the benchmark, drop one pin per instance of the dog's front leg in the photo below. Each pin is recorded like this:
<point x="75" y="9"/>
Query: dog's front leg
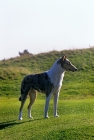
<point x="56" y="96"/>
<point x="46" y="106"/>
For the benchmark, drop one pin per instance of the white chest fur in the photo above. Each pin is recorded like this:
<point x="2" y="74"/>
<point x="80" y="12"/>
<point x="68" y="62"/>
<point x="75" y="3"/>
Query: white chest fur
<point x="56" y="74"/>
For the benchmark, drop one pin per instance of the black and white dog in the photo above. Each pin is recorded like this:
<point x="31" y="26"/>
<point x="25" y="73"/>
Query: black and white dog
<point x="48" y="82"/>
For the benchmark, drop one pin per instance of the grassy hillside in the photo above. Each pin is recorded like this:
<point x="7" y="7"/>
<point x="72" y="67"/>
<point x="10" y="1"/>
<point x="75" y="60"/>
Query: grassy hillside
<point x="75" y="85"/>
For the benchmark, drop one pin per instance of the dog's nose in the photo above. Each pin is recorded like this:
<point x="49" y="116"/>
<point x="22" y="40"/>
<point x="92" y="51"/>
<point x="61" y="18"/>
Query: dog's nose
<point x="76" y="69"/>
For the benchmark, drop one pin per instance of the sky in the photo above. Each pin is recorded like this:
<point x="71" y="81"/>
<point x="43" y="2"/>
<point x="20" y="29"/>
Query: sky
<point x="45" y="25"/>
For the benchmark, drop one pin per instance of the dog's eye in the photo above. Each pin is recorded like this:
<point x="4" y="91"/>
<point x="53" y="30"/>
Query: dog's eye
<point x="68" y="63"/>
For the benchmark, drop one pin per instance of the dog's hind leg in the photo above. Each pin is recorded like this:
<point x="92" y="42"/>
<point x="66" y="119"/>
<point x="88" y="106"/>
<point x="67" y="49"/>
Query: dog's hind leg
<point x="32" y="94"/>
<point x="21" y="107"/>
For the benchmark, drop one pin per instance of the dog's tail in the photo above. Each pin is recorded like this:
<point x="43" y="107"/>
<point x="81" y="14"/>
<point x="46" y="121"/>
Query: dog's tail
<point x="20" y="99"/>
<point x="23" y="97"/>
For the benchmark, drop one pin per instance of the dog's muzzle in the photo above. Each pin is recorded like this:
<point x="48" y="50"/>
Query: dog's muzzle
<point x="73" y="70"/>
<point x="76" y="69"/>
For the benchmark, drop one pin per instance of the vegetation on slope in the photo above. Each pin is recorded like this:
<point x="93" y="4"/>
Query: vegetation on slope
<point x="75" y="85"/>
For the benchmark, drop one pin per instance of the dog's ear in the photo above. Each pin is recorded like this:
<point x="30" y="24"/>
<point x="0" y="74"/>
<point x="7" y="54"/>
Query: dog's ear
<point x="64" y="57"/>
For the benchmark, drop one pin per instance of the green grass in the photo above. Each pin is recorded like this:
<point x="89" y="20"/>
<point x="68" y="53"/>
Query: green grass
<point x="76" y="121"/>
<point x="76" y="104"/>
<point x="75" y="85"/>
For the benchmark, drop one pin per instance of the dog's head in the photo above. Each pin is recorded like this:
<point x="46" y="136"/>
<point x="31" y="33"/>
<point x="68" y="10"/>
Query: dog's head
<point x="66" y="64"/>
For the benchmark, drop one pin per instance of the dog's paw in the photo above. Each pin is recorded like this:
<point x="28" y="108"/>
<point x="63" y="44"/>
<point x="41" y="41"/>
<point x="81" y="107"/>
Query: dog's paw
<point x="56" y="115"/>
<point x="20" y="119"/>
<point x="30" y="117"/>
<point x="46" y="117"/>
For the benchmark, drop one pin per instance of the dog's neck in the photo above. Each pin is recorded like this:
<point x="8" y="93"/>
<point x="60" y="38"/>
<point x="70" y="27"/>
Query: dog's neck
<point x="56" y="69"/>
<point x="56" y="73"/>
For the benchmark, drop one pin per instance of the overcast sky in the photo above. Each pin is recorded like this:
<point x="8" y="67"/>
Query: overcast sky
<point x="45" y="25"/>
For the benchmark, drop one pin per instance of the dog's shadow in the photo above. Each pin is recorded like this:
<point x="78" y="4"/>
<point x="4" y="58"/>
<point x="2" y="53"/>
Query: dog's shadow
<point x="6" y="124"/>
